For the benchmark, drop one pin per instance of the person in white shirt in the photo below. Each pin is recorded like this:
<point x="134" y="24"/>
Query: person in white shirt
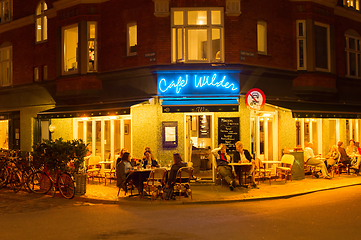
<point x="310" y="159"/>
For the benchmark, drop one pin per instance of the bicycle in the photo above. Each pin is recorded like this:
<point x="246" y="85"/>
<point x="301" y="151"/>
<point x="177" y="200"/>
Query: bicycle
<point x="43" y="181"/>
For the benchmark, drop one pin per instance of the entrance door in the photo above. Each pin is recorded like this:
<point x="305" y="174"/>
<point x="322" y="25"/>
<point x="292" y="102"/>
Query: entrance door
<point x="264" y="135"/>
<point x="199" y="131"/>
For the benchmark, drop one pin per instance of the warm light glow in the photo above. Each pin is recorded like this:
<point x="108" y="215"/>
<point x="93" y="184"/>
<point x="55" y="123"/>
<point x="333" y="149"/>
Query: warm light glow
<point x="85" y="118"/>
<point x="266" y="115"/>
<point x="307" y="120"/>
<point x="113" y="117"/>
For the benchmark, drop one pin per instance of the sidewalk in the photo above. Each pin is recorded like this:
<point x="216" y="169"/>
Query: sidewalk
<point x="208" y="193"/>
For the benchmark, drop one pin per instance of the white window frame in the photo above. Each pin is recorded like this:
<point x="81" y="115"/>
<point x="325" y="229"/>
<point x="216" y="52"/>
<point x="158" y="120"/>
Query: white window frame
<point x="264" y="24"/>
<point x="184" y="31"/>
<point x="63" y="50"/>
<point x="2" y="2"/>
<point x="301" y="38"/>
<point x="10" y="80"/>
<point x="42" y="7"/>
<point x="129" y="25"/>
<point x="95" y="47"/>
<point x="357" y="52"/>
<point x="327" y="26"/>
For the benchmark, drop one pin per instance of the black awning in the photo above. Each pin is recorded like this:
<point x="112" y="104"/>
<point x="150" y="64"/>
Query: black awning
<point x="94" y="110"/>
<point x="302" y="109"/>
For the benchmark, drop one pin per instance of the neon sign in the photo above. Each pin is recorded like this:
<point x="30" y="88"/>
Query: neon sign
<point x="210" y="83"/>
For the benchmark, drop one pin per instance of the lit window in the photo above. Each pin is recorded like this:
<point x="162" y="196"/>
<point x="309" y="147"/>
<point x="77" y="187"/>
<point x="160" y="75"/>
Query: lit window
<point x="353" y="54"/>
<point x="36" y="74"/>
<point x="6" y="11"/>
<point x="262" y="37"/>
<point x="70" y="49"/>
<point x="197" y="35"/>
<point x="41" y="26"/>
<point x="92" y="46"/>
<point x="6" y="66"/>
<point x="352" y="4"/>
<point x="132" y="39"/>
<point x="301" y="44"/>
<point x="322" y="47"/>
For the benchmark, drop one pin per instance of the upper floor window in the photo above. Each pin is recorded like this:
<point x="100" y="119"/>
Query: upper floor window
<point x="262" y="37"/>
<point x="41" y="26"/>
<point x="6" y="66"/>
<point x="6" y="10"/>
<point x="197" y="35"/>
<point x="70" y="49"/>
<point x="322" y="47"/>
<point x="352" y="4"/>
<point x="92" y="46"/>
<point x="301" y="44"/>
<point x="132" y="39"/>
<point x="353" y="54"/>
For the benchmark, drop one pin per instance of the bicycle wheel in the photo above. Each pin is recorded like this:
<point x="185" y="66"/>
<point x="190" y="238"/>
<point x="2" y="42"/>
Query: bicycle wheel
<point x="66" y="186"/>
<point x="16" y="181"/>
<point x="39" y="182"/>
<point x="4" y="175"/>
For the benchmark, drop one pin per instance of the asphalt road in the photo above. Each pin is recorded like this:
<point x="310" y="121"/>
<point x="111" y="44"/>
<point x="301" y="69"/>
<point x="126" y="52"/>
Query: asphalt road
<point x="333" y="214"/>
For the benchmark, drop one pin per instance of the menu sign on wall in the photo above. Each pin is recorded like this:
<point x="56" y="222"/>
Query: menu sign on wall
<point x="228" y="132"/>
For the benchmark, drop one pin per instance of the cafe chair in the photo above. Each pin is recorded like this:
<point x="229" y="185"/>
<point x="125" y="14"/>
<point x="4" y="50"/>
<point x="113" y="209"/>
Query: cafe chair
<point x="340" y="167"/>
<point x="182" y="185"/>
<point x="127" y="186"/>
<point x="285" y="167"/>
<point x="261" y="171"/>
<point x="110" y="173"/>
<point x="155" y="182"/>
<point x="94" y="168"/>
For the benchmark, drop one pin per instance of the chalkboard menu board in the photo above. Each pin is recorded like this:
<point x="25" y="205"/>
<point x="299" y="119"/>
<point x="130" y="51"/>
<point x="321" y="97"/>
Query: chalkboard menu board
<point x="228" y="132"/>
<point x="204" y="128"/>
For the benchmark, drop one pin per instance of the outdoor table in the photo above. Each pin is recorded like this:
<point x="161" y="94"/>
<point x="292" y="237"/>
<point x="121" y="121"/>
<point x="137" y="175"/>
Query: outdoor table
<point x="138" y="177"/>
<point x="240" y="168"/>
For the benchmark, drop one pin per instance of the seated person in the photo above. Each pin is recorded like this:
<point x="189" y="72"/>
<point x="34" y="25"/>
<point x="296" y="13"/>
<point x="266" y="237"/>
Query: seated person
<point x="344" y="159"/>
<point x="332" y="157"/>
<point x="222" y="159"/>
<point x="309" y="158"/>
<point x="124" y="150"/>
<point x="177" y="164"/>
<point x="123" y="169"/>
<point x="149" y="161"/>
<point x="243" y="156"/>
<point x="352" y="152"/>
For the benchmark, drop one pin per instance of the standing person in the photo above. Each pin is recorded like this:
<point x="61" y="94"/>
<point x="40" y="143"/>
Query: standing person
<point x="222" y="159"/>
<point x="243" y="156"/>
<point x="311" y="160"/>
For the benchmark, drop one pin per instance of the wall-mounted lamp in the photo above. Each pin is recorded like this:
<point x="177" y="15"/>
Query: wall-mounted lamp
<point x="52" y="128"/>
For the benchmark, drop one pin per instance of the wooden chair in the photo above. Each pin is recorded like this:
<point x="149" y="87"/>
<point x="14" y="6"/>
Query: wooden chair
<point x="110" y="173"/>
<point x="285" y="167"/>
<point x="94" y="168"/>
<point x="183" y="180"/>
<point x="261" y="171"/>
<point x="154" y="185"/>
<point x="340" y="166"/>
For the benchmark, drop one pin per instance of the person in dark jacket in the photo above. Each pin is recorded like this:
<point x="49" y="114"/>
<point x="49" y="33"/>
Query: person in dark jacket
<point x="243" y="156"/>
<point x="123" y="169"/>
<point x="222" y="159"/>
<point x="149" y="161"/>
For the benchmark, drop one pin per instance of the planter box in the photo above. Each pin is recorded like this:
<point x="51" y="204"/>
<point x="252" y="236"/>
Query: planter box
<point x="80" y="184"/>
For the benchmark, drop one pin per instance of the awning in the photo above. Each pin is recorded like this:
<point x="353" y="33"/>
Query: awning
<point x="172" y="105"/>
<point x="94" y="110"/>
<point x="302" y="109"/>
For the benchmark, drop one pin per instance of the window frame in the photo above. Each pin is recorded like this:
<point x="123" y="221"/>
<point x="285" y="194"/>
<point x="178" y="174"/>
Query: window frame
<point x="63" y="29"/>
<point x="43" y="22"/>
<point x="95" y="50"/>
<point x="357" y="52"/>
<point x="302" y="38"/>
<point x="129" y="25"/>
<point x="264" y="24"/>
<point x="355" y="4"/>
<point x="184" y="30"/>
<point x="327" y="26"/>
<point x="10" y="11"/>
<point x="11" y="66"/>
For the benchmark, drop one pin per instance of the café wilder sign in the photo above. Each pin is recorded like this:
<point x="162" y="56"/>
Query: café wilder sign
<point x="195" y="83"/>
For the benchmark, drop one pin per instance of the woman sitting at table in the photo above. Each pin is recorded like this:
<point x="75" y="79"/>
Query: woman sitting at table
<point x="121" y="153"/>
<point x="148" y="160"/>
<point x="177" y="164"/>
<point x="352" y="152"/>
<point x="332" y="157"/>
<point x="123" y="169"/>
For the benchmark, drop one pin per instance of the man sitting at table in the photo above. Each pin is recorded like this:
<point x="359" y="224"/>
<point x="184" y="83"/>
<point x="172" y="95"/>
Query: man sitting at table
<point x="222" y="159"/>
<point x="309" y="158"/>
<point x="243" y="156"/>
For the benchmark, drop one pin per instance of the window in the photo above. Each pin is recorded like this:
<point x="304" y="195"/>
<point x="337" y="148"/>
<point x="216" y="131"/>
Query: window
<point x="70" y="49"/>
<point x="132" y="39"/>
<point x="197" y="35"/>
<point x="92" y="46"/>
<point x="353" y="54"/>
<point x="322" y="47"/>
<point x="41" y="26"/>
<point x="6" y="66"/>
<point x="352" y="4"/>
<point x="301" y="44"/>
<point x="45" y="72"/>
<point x="36" y="74"/>
<point x="262" y="37"/>
<point x="6" y="14"/>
